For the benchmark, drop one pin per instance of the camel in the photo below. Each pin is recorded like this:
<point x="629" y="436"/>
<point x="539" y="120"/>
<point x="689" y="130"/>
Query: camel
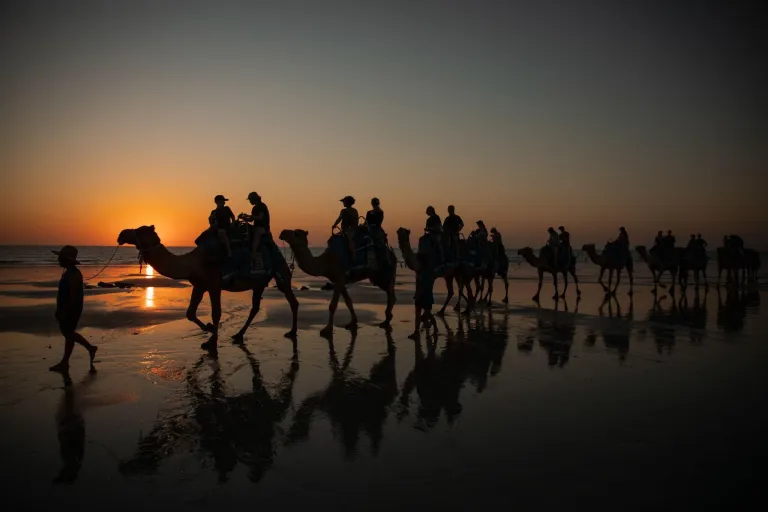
<point x="605" y="261"/>
<point x="205" y="276"/>
<point x="695" y="260"/>
<point x="500" y="267"/>
<point x="544" y="265"/>
<point x="329" y="266"/>
<point x="658" y="265"/>
<point x="731" y="261"/>
<point x="751" y="264"/>
<point x="457" y="272"/>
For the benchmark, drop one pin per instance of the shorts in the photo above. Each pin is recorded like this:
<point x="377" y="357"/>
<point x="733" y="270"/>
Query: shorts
<point x="69" y="325"/>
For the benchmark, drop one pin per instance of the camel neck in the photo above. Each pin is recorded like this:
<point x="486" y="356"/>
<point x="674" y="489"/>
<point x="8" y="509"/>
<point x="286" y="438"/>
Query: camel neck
<point x="306" y="261"/>
<point x="408" y="256"/>
<point x="592" y="253"/>
<point x="530" y="258"/>
<point x="166" y="263"/>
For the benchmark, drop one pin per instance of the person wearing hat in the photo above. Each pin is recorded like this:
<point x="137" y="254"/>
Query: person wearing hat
<point x="221" y="220"/>
<point x="554" y="243"/>
<point x="374" y="219"/>
<point x="261" y="225"/>
<point x="348" y="219"/>
<point x="452" y="226"/>
<point x="69" y="307"/>
<point x="434" y="227"/>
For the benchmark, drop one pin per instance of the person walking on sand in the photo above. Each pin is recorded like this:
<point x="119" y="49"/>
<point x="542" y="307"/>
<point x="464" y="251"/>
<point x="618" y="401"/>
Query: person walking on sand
<point x="424" y="298"/>
<point x="69" y="307"/>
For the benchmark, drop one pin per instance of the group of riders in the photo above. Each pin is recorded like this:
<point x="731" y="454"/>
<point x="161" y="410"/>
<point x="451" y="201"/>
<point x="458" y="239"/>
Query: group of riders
<point x="443" y="233"/>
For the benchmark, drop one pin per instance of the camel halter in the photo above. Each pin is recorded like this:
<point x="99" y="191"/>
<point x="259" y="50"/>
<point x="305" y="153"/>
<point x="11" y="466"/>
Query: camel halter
<point x="143" y="251"/>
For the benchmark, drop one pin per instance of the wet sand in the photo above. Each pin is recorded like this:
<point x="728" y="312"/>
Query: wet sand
<point x="622" y="403"/>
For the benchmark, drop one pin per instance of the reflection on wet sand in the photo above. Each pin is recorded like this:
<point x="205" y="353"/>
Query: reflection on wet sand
<point x="616" y="335"/>
<point x="732" y="310"/>
<point x="555" y="331"/>
<point x="438" y="379"/>
<point x="354" y="404"/>
<point x="231" y="429"/>
<point x="71" y="431"/>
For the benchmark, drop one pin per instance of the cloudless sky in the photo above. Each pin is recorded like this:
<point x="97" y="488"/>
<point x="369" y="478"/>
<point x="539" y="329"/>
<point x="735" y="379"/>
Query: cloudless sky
<point x="648" y="114"/>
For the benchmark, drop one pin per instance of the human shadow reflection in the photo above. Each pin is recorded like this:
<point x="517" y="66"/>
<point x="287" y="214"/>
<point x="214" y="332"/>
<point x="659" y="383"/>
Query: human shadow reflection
<point x="229" y="428"/>
<point x="555" y="330"/>
<point x="471" y="354"/>
<point x="354" y="404"/>
<point x="733" y="307"/>
<point x="615" y="335"/>
<point x="70" y="428"/>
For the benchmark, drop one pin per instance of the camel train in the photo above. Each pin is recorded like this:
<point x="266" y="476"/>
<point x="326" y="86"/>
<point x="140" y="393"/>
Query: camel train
<point x="470" y="263"/>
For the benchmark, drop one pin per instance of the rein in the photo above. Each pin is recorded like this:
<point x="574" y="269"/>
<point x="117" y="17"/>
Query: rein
<point x="104" y="267"/>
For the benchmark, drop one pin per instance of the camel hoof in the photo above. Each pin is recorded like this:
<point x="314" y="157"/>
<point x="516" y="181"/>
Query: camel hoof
<point x="209" y="327"/>
<point x="578" y="293"/>
<point x="413" y="336"/>
<point x="326" y="332"/>
<point x="351" y="326"/>
<point x="535" y="298"/>
<point x="238" y="338"/>
<point x="630" y="293"/>
<point x="440" y="313"/>
<point x="290" y="335"/>
<point x="505" y="301"/>
<point x="562" y="296"/>
<point x="211" y="345"/>
<point x="555" y="297"/>
<point x="384" y="324"/>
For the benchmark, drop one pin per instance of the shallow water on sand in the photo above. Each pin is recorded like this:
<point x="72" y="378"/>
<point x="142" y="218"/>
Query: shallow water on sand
<point x="629" y="401"/>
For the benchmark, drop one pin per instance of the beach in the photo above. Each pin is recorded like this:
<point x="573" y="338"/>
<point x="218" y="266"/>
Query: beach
<point x="628" y="402"/>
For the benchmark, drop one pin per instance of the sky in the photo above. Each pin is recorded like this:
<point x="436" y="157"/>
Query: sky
<point x="594" y="115"/>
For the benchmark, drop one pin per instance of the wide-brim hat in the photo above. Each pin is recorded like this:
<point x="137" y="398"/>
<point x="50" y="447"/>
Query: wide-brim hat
<point x="67" y="253"/>
<point x="347" y="199"/>
<point x="220" y="198"/>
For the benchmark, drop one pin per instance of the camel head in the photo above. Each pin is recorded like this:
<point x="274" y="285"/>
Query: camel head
<point x="640" y="249"/>
<point x="524" y="251"/>
<point x="295" y="237"/>
<point x="403" y="234"/>
<point x="142" y="237"/>
<point x="588" y="247"/>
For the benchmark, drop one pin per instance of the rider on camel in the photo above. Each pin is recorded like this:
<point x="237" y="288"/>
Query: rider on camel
<point x="434" y="228"/>
<point x="348" y="218"/>
<point x="260" y="218"/>
<point x="498" y="244"/>
<point x="554" y="243"/>
<point x="374" y="219"/>
<point x="221" y="220"/>
<point x="452" y="226"/>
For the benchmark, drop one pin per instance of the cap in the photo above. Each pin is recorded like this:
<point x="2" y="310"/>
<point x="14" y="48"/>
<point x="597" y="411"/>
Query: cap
<point x="68" y="253"/>
<point x="375" y="200"/>
<point x="348" y="199"/>
<point x="220" y="198"/>
<point x="493" y="230"/>
<point x="253" y="195"/>
<point x="480" y="223"/>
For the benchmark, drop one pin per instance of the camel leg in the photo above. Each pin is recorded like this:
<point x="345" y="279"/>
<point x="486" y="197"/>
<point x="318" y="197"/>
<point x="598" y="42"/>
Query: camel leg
<point x="673" y="274"/>
<point x="255" y="304"/>
<point x="215" y="296"/>
<point x="565" y="289"/>
<point x="449" y="287"/>
<point x="556" y="295"/>
<point x="285" y="287"/>
<point x="618" y="280"/>
<point x="600" y="278"/>
<point x="194" y="302"/>
<point x="490" y="291"/>
<point x="506" y="289"/>
<point x="390" y="304"/>
<point x="610" y="282"/>
<point x="572" y="270"/>
<point x="471" y="298"/>
<point x="328" y="329"/>
<point x="348" y="301"/>
<point x="704" y="275"/>
<point x="538" y="290"/>
<point x="655" y="280"/>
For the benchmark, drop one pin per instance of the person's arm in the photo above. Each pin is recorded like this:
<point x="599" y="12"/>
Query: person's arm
<point x="341" y="214"/>
<point x="259" y="215"/>
<point x="231" y="214"/>
<point x="460" y="225"/>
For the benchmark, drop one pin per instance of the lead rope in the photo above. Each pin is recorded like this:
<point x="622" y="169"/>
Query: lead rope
<point x="104" y="267"/>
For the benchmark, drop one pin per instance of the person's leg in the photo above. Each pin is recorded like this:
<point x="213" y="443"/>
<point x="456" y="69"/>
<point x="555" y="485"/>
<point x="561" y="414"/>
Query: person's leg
<point x="351" y="240"/>
<point x="67" y="330"/>
<point x="258" y="232"/>
<point x="78" y="338"/>
<point x="224" y="239"/>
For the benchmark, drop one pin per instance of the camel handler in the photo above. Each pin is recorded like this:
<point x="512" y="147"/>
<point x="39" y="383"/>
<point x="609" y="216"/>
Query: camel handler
<point x="260" y="218"/>
<point x="348" y="218"/>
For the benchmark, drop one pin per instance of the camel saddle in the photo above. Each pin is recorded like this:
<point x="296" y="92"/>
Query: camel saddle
<point x="370" y="251"/>
<point x="240" y="240"/>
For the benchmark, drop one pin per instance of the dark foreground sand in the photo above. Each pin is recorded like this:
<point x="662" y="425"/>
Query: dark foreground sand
<point x="619" y="404"/>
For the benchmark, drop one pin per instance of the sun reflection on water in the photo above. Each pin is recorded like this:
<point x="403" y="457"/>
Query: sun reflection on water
<point x="149" y="272"/>
<point x="149" y="297"/>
